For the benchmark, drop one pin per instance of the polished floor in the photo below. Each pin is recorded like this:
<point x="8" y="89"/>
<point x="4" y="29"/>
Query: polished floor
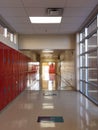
<point x="49" y="99"/>
<point x="47" y="82"/>
<point x="77" y="111"/>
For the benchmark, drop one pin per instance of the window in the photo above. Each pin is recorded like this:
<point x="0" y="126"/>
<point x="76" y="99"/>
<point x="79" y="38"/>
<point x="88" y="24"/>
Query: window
<point x="89" y="61"/>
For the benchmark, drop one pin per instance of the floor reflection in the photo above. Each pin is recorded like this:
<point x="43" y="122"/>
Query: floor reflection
<point x="45" y="124"/>
<point x="47" y="82"/>
<point x="87" y="122"/>
<point x="39" y="110"/>
<point x="48" y="106"/>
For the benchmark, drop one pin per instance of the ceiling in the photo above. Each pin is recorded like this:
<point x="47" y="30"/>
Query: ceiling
<point x="16" y="13"/>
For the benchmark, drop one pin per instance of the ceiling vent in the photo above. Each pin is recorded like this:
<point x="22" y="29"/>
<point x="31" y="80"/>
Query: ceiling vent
<point x="55" y="11"/>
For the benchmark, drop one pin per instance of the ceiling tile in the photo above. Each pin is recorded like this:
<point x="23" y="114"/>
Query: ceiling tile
<point x="45" y="29"/>
<point x="44" y="3"/>
<point x="28" y="31"/>
<point x="69" y="25"/>
<point x="17" y="20"/>
<point x="48" y="31"/>
<point x="46" y="25"/>
<point x="25" y="25"/>
<point x="11" y="3"/>
<point x="77" y="12"/>
<point x="36" y="11"/>
<point x="67" y="31"/>
<point x="69" y="28"/>
<point x="12" y="12"/>
<point x="82" y="3"/>
<point x="73" y="20"/>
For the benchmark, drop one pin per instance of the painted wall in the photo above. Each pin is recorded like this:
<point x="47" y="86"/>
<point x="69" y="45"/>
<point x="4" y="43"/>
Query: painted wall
<point x="47" y="42"/>
<point x="68" y="67"/>
<point x="30" y="54"/>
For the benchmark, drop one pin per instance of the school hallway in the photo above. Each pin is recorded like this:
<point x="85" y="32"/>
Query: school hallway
<point x="48" y="64"/>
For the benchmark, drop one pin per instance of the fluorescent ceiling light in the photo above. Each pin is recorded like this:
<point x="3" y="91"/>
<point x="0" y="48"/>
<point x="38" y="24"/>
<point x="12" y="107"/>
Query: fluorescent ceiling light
<point x="45" y="19"/>
<point x="48" y="51"/>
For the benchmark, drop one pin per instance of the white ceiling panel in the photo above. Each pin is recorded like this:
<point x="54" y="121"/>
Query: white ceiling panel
<point x="15" y="12"/>
<point x="28" y="31"/>
<point x="73" y="20"/>
<point x="11" y="3"/>
<point x="22" y="25"/>
<point x="67" y="31"/>
<point x="82" y="3"/>
<point x="46" y="25"/>
<point x="77" y="12"/>
<point x="48" y="31"/>
<point x="35" y="11"/>
<point x="18" y="20"/>
<point x="46" y="28"/>
<point x="44" y="3"/>
<point x="69" y="26"/>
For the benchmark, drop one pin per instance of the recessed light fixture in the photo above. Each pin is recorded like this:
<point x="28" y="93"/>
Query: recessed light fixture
<point x="47" y="51"/>
<point x="47" y="20"/>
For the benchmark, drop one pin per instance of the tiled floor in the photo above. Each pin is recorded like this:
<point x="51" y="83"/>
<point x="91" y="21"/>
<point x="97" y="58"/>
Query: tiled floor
<point x="77" y="111"/>
<point x="48" y="81"/>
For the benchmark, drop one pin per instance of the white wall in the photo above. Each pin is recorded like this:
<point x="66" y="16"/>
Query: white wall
<point x="46" y="42"/>
<point x="68" y="68"/>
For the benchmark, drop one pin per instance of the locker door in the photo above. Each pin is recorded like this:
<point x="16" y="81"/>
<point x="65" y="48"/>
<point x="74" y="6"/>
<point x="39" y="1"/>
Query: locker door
<point x="14" y="87"/>
<point x="1" y="93"/>
<point x="5" y="91"/>
<point x="1" y="59"/>
<point x="10" y="61"/>
<point x="5" y="59"/>
<point x="9" y="88"/>
<point x="16" y="84"/>
<point x="13" y="61"/>
<point x="21" y="82"/>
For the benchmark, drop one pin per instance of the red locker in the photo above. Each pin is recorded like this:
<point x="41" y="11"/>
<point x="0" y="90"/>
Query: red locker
<point x="13" y="74"/>
<point x="10" y="85"/>
<point x="12" y="57"/>
<point x="5" y="59"/>
<point x="16" y="62"/>
<point x="14" y="87"/>
<point x="22" y="83"/>
<point x="17" y="84"/>
<point x="5" y="91"/>
<point x="1" y="93"/>
<point x="1" y="59"/>
<point x="10" y="61"/>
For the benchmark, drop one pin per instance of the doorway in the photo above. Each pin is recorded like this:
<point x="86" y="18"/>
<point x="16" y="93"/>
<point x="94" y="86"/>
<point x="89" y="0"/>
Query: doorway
<point x="48" y="76"/>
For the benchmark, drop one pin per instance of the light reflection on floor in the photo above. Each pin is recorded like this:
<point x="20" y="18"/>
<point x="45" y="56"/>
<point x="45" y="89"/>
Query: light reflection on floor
<point x="47" y="106"/>
<point x="77" y="111"/>
<point x="47" y="124"/>
<point x="46" y="82"/>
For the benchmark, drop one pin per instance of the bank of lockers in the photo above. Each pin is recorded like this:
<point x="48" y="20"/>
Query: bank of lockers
<point x="13" y="74"/>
